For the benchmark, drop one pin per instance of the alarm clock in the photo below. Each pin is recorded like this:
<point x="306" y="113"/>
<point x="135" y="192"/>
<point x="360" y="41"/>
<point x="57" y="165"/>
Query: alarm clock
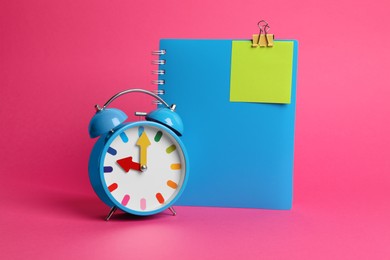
<point x="138" y="167"/>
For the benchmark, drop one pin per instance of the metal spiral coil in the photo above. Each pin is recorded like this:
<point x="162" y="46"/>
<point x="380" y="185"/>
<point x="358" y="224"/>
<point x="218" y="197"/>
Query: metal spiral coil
<point x="159" y="71"/>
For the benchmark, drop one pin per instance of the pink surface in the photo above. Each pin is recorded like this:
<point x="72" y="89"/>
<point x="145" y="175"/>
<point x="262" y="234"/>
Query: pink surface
<point x="59" y="58"/>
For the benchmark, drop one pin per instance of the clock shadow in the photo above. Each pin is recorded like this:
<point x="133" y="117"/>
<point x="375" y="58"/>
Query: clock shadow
<point x="93" y="209"/>
<point x="65" y="203"/>
<point x="122" y="216"/>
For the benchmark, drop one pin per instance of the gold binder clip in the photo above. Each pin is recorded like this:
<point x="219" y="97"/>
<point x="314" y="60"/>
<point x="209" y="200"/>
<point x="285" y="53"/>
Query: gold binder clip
<point x="263" y="40"/>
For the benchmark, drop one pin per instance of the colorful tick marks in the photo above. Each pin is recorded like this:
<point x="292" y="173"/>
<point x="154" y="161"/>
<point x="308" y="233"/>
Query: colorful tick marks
<point x="158" y="136"/>
<point x="127" y="164"/>
<point x="111" y="151"/>
<point x="160" y="198"/>
<point x="170" y="149"/>
<point x="125" y="200"/>
<point x="113" y="187"/>
<point x="141" y="129"/>
<point x="124" y="137"/>
<point x="172" y="184"/>
<point x="107" y="169"/>
<point x="175" y="166"/>
<point x="142" y="203"/>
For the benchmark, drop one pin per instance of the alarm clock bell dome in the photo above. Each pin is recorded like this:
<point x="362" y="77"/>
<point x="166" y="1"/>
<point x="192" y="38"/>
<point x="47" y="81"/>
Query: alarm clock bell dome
<point x="105" y="120"/>
<point x="167" y="117"/>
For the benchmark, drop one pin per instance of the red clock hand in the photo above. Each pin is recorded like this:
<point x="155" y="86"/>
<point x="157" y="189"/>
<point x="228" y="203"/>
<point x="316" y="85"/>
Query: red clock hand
<point x="127" y="163"/>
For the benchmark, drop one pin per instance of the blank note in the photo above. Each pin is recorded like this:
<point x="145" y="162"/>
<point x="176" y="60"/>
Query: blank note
<point x="261" y="74"/>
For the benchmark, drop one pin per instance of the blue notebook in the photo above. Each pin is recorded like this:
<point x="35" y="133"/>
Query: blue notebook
<point x="241" y="153"/>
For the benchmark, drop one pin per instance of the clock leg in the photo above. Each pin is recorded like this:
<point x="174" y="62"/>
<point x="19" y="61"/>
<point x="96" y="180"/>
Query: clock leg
<point x="173" y="211"/>
<point x="112" y="211"/>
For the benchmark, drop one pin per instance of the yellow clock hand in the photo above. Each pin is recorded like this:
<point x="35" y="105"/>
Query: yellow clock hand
<point x="143" y="143"/>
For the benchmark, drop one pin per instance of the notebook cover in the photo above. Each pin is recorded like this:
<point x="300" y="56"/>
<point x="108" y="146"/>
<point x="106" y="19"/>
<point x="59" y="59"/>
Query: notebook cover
<point x="240" y="153"/>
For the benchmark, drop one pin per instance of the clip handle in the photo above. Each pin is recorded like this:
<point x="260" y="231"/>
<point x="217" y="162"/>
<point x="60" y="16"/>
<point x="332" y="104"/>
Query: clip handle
<point x="263" y="39"/>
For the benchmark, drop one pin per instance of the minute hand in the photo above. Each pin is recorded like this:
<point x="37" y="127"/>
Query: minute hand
<point x="143" y="143"/>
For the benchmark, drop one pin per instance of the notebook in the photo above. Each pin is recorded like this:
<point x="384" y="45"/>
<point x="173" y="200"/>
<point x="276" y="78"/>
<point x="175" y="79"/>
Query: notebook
<point x="238" y="111"/>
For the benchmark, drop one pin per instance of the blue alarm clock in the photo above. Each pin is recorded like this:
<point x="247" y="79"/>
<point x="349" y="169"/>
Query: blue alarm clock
<point x="139" y="167"/>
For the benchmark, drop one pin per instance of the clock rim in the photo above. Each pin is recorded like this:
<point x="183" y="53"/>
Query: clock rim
<point x="111" y="138"/>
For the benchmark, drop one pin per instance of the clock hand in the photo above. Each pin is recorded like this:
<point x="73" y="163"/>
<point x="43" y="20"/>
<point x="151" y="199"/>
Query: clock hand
<point x="143" y="143"/>
<point x="127" y="164"/>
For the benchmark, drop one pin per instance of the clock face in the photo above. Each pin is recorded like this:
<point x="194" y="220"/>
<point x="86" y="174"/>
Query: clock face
<point x="143" y="169"/>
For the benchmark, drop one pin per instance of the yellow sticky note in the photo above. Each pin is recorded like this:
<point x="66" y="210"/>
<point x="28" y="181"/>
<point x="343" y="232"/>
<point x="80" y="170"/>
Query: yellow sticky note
<point x="261" y="74"/>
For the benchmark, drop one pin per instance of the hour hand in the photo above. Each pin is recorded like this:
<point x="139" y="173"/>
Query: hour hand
<point x="127" y="163"/>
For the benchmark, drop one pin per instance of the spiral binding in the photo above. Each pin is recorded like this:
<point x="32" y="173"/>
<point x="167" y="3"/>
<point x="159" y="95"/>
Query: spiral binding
<point x="159" y="52"/>
<point x="158" y="62"/>
<point x="159" y="71"/>
<point x="159" y="92"/>
<point x="158" y="82"/>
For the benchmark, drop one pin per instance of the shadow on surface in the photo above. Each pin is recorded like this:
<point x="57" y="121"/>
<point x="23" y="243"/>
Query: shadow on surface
<point x="69" y="204"/>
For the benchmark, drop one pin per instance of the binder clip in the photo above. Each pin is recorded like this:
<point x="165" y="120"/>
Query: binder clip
<point x="263" y="39"/>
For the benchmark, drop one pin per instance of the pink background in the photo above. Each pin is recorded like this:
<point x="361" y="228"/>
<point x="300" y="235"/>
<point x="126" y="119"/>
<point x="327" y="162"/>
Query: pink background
<point x="59" y="58"/>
